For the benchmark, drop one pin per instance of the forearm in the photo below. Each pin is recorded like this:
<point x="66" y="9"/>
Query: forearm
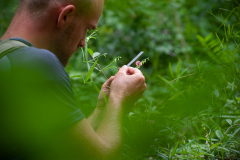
<point x="98" y="114"/>
<point x="110" y="128"/>
<point x="96" y="117"/>
<point x="109" y="131"/>
<point x="104" y="143"/>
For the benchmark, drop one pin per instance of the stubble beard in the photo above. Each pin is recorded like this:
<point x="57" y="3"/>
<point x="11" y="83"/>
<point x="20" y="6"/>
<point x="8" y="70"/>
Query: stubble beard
<point x="63" y="42"/>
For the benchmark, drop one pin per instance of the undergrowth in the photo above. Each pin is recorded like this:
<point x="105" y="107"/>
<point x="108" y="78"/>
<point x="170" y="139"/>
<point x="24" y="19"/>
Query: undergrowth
<point x="196" y="113"/>
<point x="192" y="112"/>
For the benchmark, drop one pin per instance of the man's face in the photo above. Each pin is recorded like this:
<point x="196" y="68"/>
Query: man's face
<point x="74" y="36"/>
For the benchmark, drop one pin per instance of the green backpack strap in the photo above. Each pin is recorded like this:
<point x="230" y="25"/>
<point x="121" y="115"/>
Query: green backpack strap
<point x="7" y="46"/>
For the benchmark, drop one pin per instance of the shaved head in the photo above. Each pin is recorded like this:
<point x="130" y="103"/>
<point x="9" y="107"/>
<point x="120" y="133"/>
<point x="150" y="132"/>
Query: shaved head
<point x="59" y="26"/>
<point x="39" y="8"/>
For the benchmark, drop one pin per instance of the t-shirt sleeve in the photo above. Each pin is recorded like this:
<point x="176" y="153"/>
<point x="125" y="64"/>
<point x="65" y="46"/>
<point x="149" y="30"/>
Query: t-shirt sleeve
<point x="43" y="98"/>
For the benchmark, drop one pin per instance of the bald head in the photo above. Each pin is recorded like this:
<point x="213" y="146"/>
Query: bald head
<point x="39" y="8"/>
<point x="59" y="26"/>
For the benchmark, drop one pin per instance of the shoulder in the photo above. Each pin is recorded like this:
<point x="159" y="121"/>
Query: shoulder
<point x="37" y="60"/>
<point x="32" y="55"/>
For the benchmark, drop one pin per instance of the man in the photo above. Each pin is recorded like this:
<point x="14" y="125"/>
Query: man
<point x="39" y="116"/>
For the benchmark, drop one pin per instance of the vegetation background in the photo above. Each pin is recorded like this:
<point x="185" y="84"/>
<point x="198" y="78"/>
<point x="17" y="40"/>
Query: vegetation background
<point x="191" y="109"/>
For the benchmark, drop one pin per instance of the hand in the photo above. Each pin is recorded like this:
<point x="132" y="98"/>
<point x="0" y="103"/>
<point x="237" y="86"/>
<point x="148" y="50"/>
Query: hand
<point x="127" y="87"/>
<point x="106" y="89"/>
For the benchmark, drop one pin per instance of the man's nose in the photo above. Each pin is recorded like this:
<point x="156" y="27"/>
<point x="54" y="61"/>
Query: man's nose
<point x="82" y="43"/>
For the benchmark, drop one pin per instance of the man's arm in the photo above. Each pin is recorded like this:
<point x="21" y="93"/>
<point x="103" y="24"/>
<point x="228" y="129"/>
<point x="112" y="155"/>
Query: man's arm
<point x="83" y="142"/>
<point x="96" y="117"/>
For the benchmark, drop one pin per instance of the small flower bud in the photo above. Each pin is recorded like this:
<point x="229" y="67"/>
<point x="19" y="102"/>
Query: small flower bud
<point x="138" y="63"/>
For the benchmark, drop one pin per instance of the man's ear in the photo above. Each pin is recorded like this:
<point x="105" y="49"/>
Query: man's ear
<point x="66" y="14"/>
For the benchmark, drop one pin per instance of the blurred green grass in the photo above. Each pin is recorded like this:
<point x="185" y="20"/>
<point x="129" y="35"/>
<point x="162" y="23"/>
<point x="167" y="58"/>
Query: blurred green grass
<point x="192" y="76"/>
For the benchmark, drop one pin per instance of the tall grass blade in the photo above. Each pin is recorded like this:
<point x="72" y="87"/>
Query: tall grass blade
<point x="90" y="72"/>
<point x="174" y="150"/>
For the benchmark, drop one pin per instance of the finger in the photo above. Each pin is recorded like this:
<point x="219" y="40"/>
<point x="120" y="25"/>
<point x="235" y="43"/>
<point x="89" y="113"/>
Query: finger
<point x="132" y="71"/>
<point x="145" y="86"/>
<point x="107" y="84"/>
<point x="123" y="69"/>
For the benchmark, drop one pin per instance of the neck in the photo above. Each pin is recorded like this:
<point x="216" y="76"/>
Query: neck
<point x="36" y="32"/>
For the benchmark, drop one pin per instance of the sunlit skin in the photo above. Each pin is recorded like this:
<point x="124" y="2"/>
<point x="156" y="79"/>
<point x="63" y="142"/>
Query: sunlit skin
<point x="62" y="32"/>
<point x="75" y="30"/>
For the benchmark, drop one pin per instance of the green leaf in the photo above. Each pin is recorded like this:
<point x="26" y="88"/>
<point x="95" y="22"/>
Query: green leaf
<point x="183" y="72"/>
<point x="78" y="76"/>
<point x="86" y="55"/>
<point x="130" y="114"/>
<point x="232" y="85"/>
<point x="95" y="87"/>
<point x="174" y="150"/>
<point x="104" y="96"/>
<point x="238" y="129"/>
<point x="236" y="121"/>
<point x="233" y="150"/>
<point x="176" y="95"/>
<point x="229" y="30"/>
<point x="90" y="51"/>
<point x="201" y="40"/>
<point x="206" y="126"/>
<point x="235" y="51"/>
<point x="162" y="156"/>
<point x="90" y="71"/>
<point x="166" y="81"/>
<point x="213" y="44"/>
<point x="188" y="144"/>
<point x="214" y="145"/>
<point x="219" y="134"/>
<point x="218" y="38"/>
<point x="96" y="54"/>
<point x="229" y="121"/>
<point x="205" y="139"/>
<point x="86" y="52"/>
<point x="170" y="68"/>
<point x="208" y="37"/>
<point x="179" y="67"/>
<point x="216" y="93"/>
<point x="223" y="148"/>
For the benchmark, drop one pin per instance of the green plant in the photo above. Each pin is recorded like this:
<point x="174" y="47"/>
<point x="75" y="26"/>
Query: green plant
<point x="198" y="114"/>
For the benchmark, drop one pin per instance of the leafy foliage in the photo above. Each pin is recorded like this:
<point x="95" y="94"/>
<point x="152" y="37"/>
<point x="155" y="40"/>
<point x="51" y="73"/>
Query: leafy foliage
<point x="191" y="109"/>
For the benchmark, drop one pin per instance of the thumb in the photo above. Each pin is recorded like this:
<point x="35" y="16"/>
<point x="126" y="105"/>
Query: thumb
<point x="108" y="82"/>
<point x="123" y="69"/>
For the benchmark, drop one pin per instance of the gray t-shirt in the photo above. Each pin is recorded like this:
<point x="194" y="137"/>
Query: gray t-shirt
<point x="36" y="99"/>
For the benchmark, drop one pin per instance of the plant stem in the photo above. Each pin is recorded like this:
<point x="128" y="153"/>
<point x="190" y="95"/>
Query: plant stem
<point x="100" y="68"/>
